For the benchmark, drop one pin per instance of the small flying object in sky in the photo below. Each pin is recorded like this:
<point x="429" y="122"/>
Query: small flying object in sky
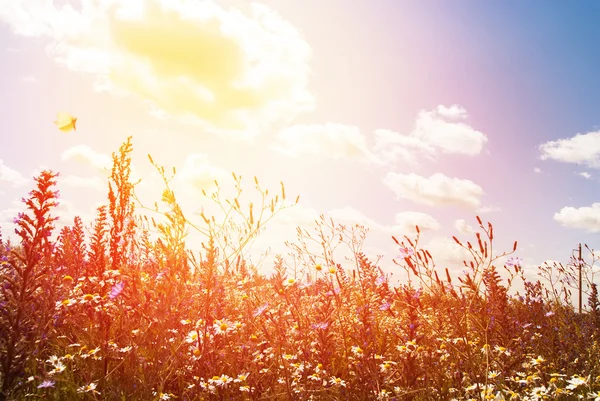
<point x="65" y="122"/>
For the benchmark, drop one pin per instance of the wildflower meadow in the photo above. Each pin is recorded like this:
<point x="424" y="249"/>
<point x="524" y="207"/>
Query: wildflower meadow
<point x="124" y="310"/>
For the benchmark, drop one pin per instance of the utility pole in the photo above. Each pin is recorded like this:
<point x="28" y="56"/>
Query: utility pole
<point x="580" y="284"/>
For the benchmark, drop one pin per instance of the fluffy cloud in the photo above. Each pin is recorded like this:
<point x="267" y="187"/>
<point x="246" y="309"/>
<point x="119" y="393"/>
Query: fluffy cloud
<point x="447" y="253"/>
<point x="198" y="173"/>
<point x="463" y="227"/>
<point x="10" y="176"/>
<point x="298" y="215"/>
<point x="337" y="141"/>
<point x="100" y="162"/>
<point x="582" y="148"/>
<point x="407" y="221"/>
<point x="435" y="130"/>
<point x="7" y="216"/>
<point x="585" y="175"/>
<point x="448" y="136"/>
<point x="488" y="209"/>
<point x="95" y="183"/>
<point x="352" y="216"/>
<point x="453" y="112"/>
<point x="85" y="155"/>
<point x="225" y="69"/>
<point x="393" y="147"/>
<point x="437" y="190"/>
<point x="586" y="218"/>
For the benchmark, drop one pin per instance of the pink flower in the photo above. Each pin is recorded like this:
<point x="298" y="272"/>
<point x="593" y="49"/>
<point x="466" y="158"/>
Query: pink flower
<point x="406" y="252"/>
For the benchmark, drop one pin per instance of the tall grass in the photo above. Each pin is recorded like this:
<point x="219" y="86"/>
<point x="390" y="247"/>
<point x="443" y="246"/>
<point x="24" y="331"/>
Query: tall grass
<point x="133" y="314"/>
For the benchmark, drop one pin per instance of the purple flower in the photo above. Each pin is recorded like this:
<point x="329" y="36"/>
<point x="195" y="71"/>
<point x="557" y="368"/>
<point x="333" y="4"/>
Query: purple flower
<point x="513" y="261"/>
<point x="380" y="280"/>
<point x="406" y="252"/>
<point x="385" y="306"/>
<point x="116" y="290"/>
<point x="46" y="384"/>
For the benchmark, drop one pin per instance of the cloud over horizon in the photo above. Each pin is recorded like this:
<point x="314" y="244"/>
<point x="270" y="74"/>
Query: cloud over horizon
<point x="435" y="131"/>
<point x="336" y="141"/>
<point x="436" y="190"/>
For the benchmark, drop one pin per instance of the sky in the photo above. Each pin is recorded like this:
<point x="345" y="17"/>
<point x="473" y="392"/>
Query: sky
<point x="384" y="113"/>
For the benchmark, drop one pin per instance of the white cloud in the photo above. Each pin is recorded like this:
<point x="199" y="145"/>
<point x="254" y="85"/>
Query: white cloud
<point x="434" y="131"/>
<point x="95" y="183"/>
<point x="226" y="69"/>
<point x="7" y="216"/>
<point x="432" y="134"/>
<point x="337" y="141"/>
<point x="582" y="148"/>
<point x="407" y="221"/>
<point x="437" y="190"/>
<point x="298" y="215"/>
<point x="85" y="155"/>
<point x="586" y="218"/>
<point x="449" y="137"/>
<point x="488" y="209"/>
<point x="537" y="170"/>
<point x="585" y="175"/>
<point x="198" y="173"/>
<point x="352" y="216"/>
<point x="10" y="176"/>
<point x="447" y="253"/>
<point x="453" y="112"/>
<point x="463" y="227"/>
<point x="392" y="147"/>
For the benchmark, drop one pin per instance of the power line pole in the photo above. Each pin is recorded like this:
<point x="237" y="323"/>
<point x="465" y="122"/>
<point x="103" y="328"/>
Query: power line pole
<point x="580" y="284"/>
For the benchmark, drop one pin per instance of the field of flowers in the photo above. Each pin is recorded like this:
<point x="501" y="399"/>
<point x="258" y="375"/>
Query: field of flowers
<point x="131" y="314"/>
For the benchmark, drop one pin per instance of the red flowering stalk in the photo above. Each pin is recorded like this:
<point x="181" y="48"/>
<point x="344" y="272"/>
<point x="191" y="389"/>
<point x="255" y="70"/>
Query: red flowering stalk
<point x="26" y="295"/>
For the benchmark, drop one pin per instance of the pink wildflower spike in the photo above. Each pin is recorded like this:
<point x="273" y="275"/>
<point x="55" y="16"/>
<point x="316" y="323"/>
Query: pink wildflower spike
<point x="116" y="290"/>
